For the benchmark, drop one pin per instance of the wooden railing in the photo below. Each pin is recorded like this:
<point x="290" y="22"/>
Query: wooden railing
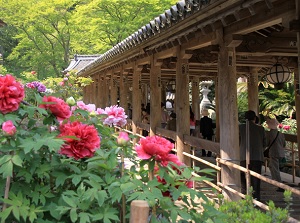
<point x="198" y="143"/>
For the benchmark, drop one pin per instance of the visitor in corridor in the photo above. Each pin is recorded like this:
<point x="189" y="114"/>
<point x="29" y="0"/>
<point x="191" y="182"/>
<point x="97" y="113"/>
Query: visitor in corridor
<point x="206" y="129"/>
<point x="146" y="120"/>
<point x="276" y="142"/>
<point x="192" y="122"/>
<point x="257" y="141"/>
<point x="164" y="116"/>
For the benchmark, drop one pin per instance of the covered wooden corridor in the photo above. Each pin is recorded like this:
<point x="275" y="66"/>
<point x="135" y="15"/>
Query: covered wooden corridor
<point x="195" y="41"/>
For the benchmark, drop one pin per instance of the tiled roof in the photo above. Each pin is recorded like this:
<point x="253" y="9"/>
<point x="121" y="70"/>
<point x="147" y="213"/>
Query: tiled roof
<point x="80" y="61"/>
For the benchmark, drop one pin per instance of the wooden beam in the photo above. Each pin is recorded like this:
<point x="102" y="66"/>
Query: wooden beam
<point x="262" y="19"/>
<point x="233" y="40"/>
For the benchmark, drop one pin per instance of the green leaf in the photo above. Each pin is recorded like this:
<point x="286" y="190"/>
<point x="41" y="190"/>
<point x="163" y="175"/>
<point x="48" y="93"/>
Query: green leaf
<point x="7" y="169"/>
<point x="100" y="196"/>
<point x="16" y="212"/>
<point x="69" y="201"/>
<point x="76" y="179"/>
<point x="17" y="160"/>
<point x="84" y="217"/>
<point x="127" y="187"/>
<point x="73" y="215"/>
<point x="4" y="214"/>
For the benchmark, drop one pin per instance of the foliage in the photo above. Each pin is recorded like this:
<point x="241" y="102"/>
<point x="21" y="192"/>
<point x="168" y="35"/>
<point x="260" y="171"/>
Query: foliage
<point x="41" y="35"/>
<point x="242" y="102"/>
<point x="244" y="211"/>
<point x="278" y="102"/>
<point x="70" y="84"/>
<point x="53" y="178"/>
<point x="111" y="21"/>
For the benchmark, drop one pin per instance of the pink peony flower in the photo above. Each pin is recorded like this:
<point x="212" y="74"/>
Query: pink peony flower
<point x="280" y="125"/>
<point x="115" y="116"/>
<point x="123" y="139"/>
<point x="11" y="94"/>
<point x="286" y="127"/>
<point x="61" y="83"/>
<point x="9" y="128"/>
<point x="58" y="107"/>
<point x="154" y="147"/>
<point x="33" y="72"/>
<point x="85" y="144"/>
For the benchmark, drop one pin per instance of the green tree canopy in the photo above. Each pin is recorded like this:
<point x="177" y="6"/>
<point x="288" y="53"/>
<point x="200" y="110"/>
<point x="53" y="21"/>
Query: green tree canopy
<point x="41" y="35"/>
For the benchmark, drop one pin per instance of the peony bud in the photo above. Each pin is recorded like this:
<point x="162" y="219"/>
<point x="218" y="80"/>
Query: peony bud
<point x="33" y="72"/>
<point x="123" y="139"/>
<point x="9" y="128"/>
<point x="71" y="101"/>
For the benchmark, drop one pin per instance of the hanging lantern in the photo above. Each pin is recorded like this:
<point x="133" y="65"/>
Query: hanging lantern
<point x="171" y="86"/>
<point x="278" y="75"/>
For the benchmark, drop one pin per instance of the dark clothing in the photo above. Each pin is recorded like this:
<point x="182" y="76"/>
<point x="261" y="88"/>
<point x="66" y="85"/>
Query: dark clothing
<point x="207" y="126"/>
<point x="206" y="129"/>
<point x="257" y="141"/>
<point x="254" y="182"/>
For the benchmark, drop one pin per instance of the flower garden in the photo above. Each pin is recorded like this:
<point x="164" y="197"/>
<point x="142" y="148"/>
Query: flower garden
<point x="63" y="161"/>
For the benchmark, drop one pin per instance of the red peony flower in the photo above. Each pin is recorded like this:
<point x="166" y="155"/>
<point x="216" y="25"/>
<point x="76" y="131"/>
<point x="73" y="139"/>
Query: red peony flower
<point x="85" y="144"/>
<point x="286" y="127"/>
<point x="11" y="94"/>
<point x="58" y="107"/>
<point x="154" y="146"/>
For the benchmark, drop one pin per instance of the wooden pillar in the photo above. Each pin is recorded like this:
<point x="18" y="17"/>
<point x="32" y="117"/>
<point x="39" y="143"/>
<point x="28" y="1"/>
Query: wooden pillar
<point x="100" y="96"/>
<point x="136" y="100"/>
<point x="163" y="92"/>
<point x="217" y="110"/>
<point x="105" y="92"/>
<point x="252" y="85"/>
<point x="196" y="97"/>
<point x="182" y="107"/>
<point x="297" y="77"/>
<point x="155" y="96"/>
<point x="123" y="91"/>
<point x="113" y="90"/>
<point x="229" y="132"/>
<point x="144" y="94"/>
<point x="84" y="92"/>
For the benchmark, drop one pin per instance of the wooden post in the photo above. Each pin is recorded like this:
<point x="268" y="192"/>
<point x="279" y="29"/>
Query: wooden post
<point x="100" y="97"/>
<point x="163" y="92"/>
<point x="252" y="85"/>
<point x="155" y="96"/>
<point x="182" y="107"/>
<point x="229" y="132"/>
<point x="196" y="97"/>
<point x="113" y="90"/>
<point x="297" y="79"/>
<point x="217" y="137"/>
<point x="139" y="211"/>
<point x="105" y="92"/>
<point x="136" y="100"/>
<point x="123" y="91"/>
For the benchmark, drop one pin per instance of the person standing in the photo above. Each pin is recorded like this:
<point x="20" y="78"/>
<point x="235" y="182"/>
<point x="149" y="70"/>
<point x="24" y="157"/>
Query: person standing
<point x="276" y="143"/>
<point x="257" y="143"/>
<point x="206" y="129"/>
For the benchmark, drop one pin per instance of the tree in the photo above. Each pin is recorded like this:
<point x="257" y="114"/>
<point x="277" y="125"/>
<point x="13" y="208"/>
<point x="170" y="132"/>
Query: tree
<point x="48" y="32"/>
<point x="108" y="22"/>
<point x="44" y="34"/>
